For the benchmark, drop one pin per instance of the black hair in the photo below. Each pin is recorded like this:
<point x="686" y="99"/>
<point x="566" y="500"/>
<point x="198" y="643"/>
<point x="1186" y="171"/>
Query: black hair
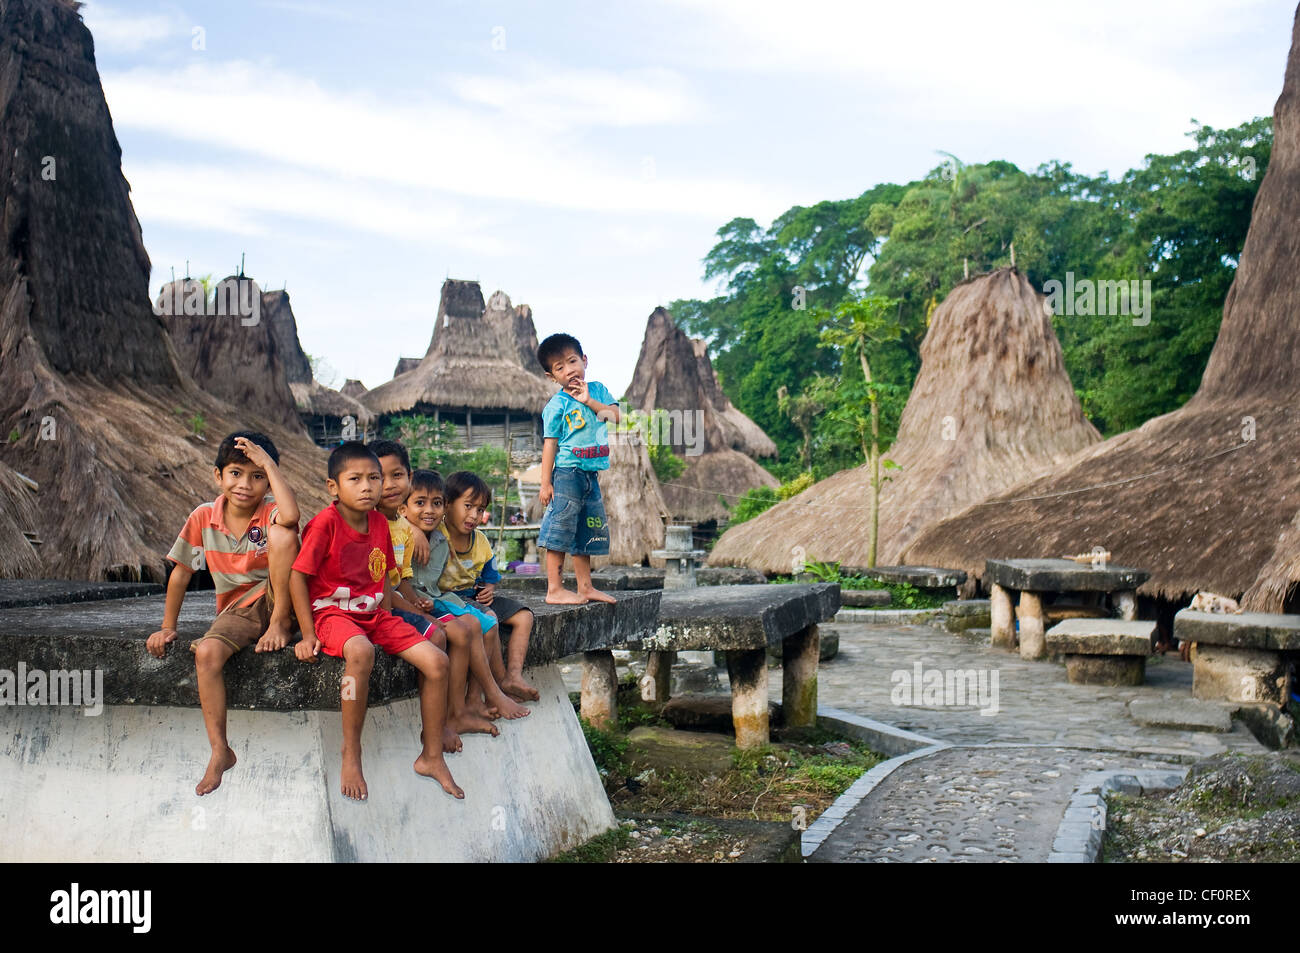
<point x="463" y="481"/>
<point x="390" y="448"/>
<point x="554" y="346"/>
<point x="430" y="481"/>
<point x="228" y="453"/>
<point x="345" y="453"/>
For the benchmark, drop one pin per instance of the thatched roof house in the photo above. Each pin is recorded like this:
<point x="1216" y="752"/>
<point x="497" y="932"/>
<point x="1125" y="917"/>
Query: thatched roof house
<point x="405" y="364"/>
<point x="674" y="374"/>
<point x="634" y="502"/>
<point x="1187" y="495"/>
<point x="329" y="415"/>
<point x="471" y="374"/>
<point x="992" y="402"/>
<point x="353" y="388"/>
<point x="19" y="518"/>
<point x="107" y="422"/>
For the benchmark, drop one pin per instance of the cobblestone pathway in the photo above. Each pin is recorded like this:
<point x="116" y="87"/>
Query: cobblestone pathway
<point x="1000" y="800"/>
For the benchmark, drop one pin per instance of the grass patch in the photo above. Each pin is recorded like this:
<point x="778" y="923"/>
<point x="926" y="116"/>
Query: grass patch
<point x="601" y="849"/>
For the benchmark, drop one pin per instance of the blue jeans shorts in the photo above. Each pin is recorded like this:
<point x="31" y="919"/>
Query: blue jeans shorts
<point x="575" y="519"/>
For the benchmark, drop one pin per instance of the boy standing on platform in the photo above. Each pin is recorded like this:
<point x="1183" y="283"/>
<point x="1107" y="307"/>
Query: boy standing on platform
<point x="575" y="449"/>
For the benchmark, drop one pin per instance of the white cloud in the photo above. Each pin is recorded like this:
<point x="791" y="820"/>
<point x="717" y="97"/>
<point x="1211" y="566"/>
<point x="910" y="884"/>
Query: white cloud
<point x="430" y="145"/>
<point x="118" y="32"/>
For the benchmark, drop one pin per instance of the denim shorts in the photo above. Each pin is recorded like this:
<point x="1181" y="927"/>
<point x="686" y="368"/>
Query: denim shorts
<point x="575" y="519"/>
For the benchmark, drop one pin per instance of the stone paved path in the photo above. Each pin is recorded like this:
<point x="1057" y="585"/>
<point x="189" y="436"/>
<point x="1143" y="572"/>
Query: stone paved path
<point x="999" y="793"/>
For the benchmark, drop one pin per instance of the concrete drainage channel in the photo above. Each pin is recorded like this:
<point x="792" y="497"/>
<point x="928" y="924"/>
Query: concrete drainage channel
<point x="1081" y="832"/>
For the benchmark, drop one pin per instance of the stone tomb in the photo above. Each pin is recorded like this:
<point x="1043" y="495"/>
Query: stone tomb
<point x="1035" y="579"/>
<point x="1240" y="657"/>
<point x="118" y="785"/>
<point x="743" y="621"/>
<point x="1102" y="651"/>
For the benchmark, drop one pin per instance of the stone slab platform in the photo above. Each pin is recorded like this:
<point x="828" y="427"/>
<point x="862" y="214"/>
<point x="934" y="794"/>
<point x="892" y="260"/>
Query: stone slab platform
<point x="15" y="593"/>
<point x="740" y="617"/>
<point x="1061" y="575"/>
<point x="1246" y="630"/>
<point x="110" y="636"/>
<point x="923" y="577"/>
<point x="1100" y="637"/>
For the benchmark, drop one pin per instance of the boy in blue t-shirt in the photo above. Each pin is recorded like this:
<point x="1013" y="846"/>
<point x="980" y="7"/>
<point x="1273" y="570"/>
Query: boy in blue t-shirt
<point x="575" y="447"/>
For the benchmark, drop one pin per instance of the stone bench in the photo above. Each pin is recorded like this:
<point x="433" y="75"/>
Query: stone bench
<point x="1240" y="657"/>
<point x="1102" y="651"/>
<point x="922" y="577"/>
<point x="742" y="621"/>
<point x="117" y="783"/>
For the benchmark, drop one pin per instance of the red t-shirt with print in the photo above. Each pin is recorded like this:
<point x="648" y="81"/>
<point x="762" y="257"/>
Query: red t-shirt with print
<point x="345" y="569"/>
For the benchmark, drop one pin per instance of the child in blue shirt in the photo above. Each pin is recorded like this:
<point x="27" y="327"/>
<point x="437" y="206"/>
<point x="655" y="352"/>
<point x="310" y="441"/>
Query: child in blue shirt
<point x="575" y="447"/>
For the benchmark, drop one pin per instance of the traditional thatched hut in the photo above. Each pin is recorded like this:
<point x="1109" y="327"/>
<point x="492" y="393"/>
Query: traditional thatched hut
<point x="405" y="364"/>
<point x="991" y="403"/>
<point x="633" y="502"/>
<point x="353" y="388"/>
<point x="1206" y="497"/>
<point x="18" y="521"/>
<point x="329" y="415"/>
<point x="471" y="376"/>
<point x="718" y="442"/>
<point x="107" y="423"/>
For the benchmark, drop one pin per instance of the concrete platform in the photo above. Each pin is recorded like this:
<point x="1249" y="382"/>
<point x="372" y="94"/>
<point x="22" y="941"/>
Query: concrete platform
<point x="15" y="593"/>
<point x="120" y="787"/>
<point x="115" y="782"/>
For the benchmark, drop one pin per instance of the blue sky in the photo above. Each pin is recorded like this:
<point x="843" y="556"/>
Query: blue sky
<point x="581" y="156"/>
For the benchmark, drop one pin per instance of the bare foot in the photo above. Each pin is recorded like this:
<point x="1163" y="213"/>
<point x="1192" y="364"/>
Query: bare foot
<point x="595" y="595"/>
<point x="481" y="709"/>
<point x="353" y="782"/>
<point x="511" y="709"/>
<point x="563" y="597"/>
<point x="518" y="689"/>
<point x="451" y="742"/>
<point x="218" y="765"/>
<point x="433" y="766"/>
<point x="468" y="724"/>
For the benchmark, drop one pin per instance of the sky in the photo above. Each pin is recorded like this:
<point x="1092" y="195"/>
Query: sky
<point x="581" y="156"/>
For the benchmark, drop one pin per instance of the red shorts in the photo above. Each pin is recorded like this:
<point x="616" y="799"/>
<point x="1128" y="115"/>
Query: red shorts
<point x="383" y="629"/>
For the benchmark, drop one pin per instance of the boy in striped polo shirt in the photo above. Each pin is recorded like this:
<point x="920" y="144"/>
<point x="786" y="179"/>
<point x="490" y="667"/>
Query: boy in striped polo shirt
<point x="247" y="540"/>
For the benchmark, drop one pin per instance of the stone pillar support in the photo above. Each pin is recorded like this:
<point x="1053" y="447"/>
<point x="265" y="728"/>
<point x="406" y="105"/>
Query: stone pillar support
<point x="1033" y="644"/>
<point x="1002" y="620"/>
<point x="1126" y="601"/>
<point x="747" y="670"/>
<point x="657" y="683"/>
<point x="799" y="654"/>
<point x="599" y="688"/>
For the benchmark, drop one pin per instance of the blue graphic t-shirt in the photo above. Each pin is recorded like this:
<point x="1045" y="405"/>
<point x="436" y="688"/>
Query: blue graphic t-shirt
<point x="584" y="441"/>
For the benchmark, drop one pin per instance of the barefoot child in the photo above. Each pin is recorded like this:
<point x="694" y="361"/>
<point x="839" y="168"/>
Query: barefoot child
<point x="425" y="509"/>
<point x="342" y="595"/>
<point x="575" y="447"/>
<point x="470" y="557"/>
<point x="247" y="540"/>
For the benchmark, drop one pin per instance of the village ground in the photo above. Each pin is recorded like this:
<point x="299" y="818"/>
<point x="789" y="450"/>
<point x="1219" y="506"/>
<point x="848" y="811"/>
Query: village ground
<point x="999" y="792"/>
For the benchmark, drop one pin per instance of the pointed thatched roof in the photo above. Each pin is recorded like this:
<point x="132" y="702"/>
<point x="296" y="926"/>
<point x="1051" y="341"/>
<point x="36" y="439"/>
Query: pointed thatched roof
<point x="674" y="373"/>
<point x="353" y="388"/>
<point x="107" y="420"/>
<point x="991" y="403"/>
<point x="235" y="353"/>
<point x="18" y="517"/>
<point x="515" y="330"/>
<point x="1184" y="495"/>
<point x="310" y="396"/>
<point x="471" y="363"/>
<point x="405" y="364"/>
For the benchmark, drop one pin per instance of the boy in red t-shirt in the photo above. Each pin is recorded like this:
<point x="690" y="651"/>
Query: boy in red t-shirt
<point x="342" y="595"/>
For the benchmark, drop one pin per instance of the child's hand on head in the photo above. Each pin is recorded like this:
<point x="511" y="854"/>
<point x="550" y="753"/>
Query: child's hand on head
<point x="257" y="456"/>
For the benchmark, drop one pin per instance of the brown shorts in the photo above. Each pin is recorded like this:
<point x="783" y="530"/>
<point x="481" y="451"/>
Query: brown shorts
<point x="239" y="627"/>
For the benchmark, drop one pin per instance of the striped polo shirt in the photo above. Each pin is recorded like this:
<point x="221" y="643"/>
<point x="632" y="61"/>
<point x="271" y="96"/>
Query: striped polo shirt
<point x="239" y="564"/>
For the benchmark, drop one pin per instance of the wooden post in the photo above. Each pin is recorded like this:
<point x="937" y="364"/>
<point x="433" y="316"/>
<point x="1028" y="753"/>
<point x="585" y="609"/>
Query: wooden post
<point x="747" y="670"/>
<point x="1033" y="637"/>
<point x="469" y="429"/>
<point x="1004" y="629"/>
<point x="799" y="655"/>
<point x="599" y="688"/>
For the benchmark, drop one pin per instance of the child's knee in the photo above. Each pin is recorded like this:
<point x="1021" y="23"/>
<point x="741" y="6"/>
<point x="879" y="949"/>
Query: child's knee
<point x="210" y="655"/>
<point x="458" y="633"/>
<point x="359" y="652"/>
